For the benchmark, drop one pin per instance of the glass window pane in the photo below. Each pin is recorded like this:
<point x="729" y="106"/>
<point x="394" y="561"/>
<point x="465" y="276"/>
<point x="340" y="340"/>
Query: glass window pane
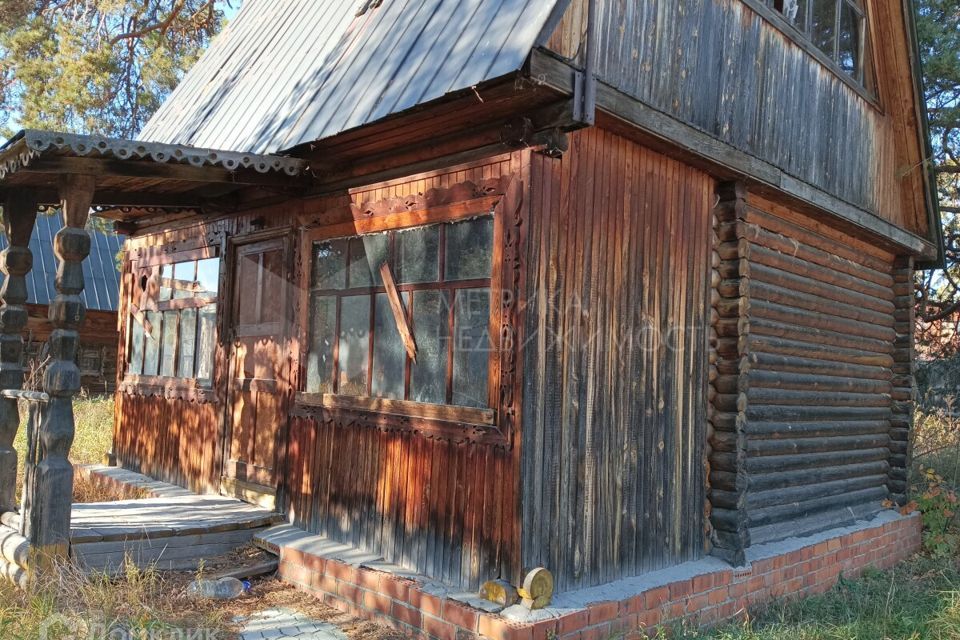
<point x="166" y="272"/>
<point x="136" y="347"/>
<point x="248" y="286"/>
<point x="184" y="274"/>
<point x="151" y="352"/>
<point x="323" y="328"/>
<point x="208" y="277"/>
<point x="354" y="345"/>
<point x="431" y="328"/>
<point x="849" y="42"/>
<point x="469" y="249"/>
<point x="823" y="25"/>
<point x="168" y="361"/>
<point x="389" y="354"/>
<point x="206" y="345"/>
<point x="188" y="342"/>
<point x="793" y="10"/>
<point x="272" y="287"/>
<point x="329" y="264"/>
<point x="367" y="253"/>
<point x="471" y="347"/>
<point x="418" y="254"/>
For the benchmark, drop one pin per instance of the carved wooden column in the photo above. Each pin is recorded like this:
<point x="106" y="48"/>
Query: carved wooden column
<point x="19" y="215"/>
<point x="52" y="486"/>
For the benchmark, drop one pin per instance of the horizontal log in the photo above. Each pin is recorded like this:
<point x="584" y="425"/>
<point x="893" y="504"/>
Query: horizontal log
<point x="806" y="319"/>
<point x="804" y="365"/>
<point x="801" y="509"/>
<point x="817" y="475"/>
<point x="766" y="464"/>
<point x="783" y="413"/>
<point x="816" y="445"/>
<point x="785" y="346"/>
<point x="778" y="295"/>
<point x="819" y="521"/>
<point x="811" y="382"/>
<point x="793" y="282"/>
<point x="776" y="430"/>
<point x="809" y="254"/>
<point x="804" y="493"/>
<point x="760" y="255"/>
<point x="765" y="327"/>
<point x="728" y="519"/>
<point x="811" y="238"/>
<point x="826" y="398"/>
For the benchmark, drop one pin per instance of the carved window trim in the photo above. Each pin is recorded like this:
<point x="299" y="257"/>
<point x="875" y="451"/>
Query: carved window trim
<point x="492" y="426"/>
<point x="143" y="261"/>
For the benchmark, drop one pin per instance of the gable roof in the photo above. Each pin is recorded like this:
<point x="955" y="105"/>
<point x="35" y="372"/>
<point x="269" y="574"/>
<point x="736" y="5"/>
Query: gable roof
<point x="101" y="291"/>
<point x="288" y="72"/>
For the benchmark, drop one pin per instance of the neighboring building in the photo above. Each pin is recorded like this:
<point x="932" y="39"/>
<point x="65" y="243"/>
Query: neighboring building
<point x="478" y="286"/>
<point x="97" y="354"/>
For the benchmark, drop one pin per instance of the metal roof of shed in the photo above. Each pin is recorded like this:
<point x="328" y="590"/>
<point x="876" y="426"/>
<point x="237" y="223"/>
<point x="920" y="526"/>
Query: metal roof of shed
<point x="101" y="278"/>
<point x="287" y="72"/>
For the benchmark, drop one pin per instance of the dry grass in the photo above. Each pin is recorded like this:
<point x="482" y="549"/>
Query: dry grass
<point x="93" y="416"/>
<point x="152" y="604"/>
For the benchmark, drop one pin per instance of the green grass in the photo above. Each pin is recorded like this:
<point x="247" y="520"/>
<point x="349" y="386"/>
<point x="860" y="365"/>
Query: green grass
<point x="918" y="600"/>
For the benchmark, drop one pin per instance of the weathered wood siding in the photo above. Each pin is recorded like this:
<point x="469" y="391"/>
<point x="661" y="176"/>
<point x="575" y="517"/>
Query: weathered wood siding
<point x="801" y="400"/>
<point x="431" y="502"/>
<point x="615" y="361"/>
<point x="721" y="67"/>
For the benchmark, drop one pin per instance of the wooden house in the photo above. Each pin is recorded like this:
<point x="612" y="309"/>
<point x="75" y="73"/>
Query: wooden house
<point x="478" y="286"/>
<point x="97" y="352"/>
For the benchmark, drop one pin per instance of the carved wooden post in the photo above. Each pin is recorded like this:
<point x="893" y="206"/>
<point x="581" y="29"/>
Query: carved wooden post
<point x="19" y="215"/>
<point x="52" y="499"/>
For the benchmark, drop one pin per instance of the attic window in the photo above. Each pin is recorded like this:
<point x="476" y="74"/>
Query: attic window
<point x="835" y="27"/>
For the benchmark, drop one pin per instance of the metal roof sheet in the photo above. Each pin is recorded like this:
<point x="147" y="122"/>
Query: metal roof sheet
<point x="101" y="277"/>
<point x="286" y="72"/>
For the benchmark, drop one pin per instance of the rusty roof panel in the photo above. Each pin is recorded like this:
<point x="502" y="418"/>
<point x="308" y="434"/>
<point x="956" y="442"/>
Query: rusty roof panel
<point x="286" y="72"/>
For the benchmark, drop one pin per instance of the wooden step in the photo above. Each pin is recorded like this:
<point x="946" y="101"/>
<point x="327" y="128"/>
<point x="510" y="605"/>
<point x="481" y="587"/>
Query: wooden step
<point x="14" y="548"/>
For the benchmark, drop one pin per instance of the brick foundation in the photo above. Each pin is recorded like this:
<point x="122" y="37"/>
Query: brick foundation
<point x="708" y="591"/>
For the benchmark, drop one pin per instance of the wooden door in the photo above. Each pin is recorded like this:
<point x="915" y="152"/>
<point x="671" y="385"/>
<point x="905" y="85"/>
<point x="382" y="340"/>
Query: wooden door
<point x="259" y="370"/>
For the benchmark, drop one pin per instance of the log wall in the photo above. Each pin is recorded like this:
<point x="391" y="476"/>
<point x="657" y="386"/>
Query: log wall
<point x="615" y="361"/>
<point x="723" y="68"/>
<point x="803" y="386"/>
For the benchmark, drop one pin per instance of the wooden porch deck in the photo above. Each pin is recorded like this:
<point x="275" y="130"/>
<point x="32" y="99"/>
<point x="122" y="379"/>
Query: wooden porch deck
<point x="173" y="531"/>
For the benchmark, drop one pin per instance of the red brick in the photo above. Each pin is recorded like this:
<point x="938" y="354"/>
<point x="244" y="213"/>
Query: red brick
<point x="649" y="619"/>
<point x="460" y="614"/>
<point x="496" y="628"/>
<point x="341" y="571"/>
<point x="635" y="604"/>
<point x="573" y="622"/>
<point x="599" y="632"/>
<point x="603" y="611"/>
<point x="696" y="603"/>
<point x="544" y="630"/>
<point x="406" y="614"/>
<point x="679" y="589"/>
<point x="704" y="583"/>
<point x="439" y="629"/>
<point x="655" y="598"/>
<point x="368" y="579"/>
<point x="675" y="610"/>
<point x="376" y="601"/>
<point x="348" y="591"/>
<point x="428" y="603"/>
<point x="718" y="595"/>
<point x="396" y="588"/>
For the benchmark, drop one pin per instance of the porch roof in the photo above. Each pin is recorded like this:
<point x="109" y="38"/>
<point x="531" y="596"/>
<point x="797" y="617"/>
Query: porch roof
<point x="136" y="179"/>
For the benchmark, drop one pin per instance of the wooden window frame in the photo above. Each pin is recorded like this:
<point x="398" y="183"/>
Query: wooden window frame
<point x="428" y="417"/>
<point x="800" y="37"/>
<point x="171" y="386"/>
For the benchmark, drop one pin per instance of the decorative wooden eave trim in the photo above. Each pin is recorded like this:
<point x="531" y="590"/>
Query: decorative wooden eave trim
<point x="29" y="145"/>
<point x="678" y="139"/>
